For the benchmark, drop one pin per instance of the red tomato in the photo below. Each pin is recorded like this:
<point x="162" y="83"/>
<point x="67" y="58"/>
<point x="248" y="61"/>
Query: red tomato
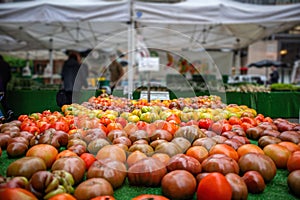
<point x="88" y="158"/>
<point x="268" y="119"/>
<point x="141" y="125"/>
<point x="234" y="120"/>
<point x="105" y="121"/>
<point x="226" y="127"/>
<point x="46" y="112"/>
<point x="293" y="161"/>
<point x="103" y="128"/>
<point x="27" y="123"/>
<point x="170" y="127"/>
<point x="217" y="127"/>
<point x="246" y="126"/>
<point x="62" y="196"/>
<point x="214" y="186"/>
<point x="42" y="125"/>
<point x="150" y="196"/>
<point x="249" y="120"/>
<point x="16" y="193"/>
<point x="59" y="125"/>
<point x="22" y="118"/>
<point x="31" y="129"/>
<point x="205" y="123"/>
<point x="107" y="197"/>
<point x="259" y="118"/>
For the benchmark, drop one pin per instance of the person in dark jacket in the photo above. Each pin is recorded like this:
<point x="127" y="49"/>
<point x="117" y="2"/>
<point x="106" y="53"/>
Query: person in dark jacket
<point x="274" y="76"/>
<point x="5" y="76"/>
<point x="72" y="80"/>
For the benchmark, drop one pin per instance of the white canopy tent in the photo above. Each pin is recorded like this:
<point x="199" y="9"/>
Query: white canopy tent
<point x="57" y="25"/>
<point x="188" y="25"/>
<point x="215" y="24"/>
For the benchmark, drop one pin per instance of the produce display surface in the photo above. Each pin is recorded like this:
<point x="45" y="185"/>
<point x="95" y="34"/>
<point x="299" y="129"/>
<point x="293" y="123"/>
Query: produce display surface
<point x="263" y="102"/>
<point x="115" y="148"/>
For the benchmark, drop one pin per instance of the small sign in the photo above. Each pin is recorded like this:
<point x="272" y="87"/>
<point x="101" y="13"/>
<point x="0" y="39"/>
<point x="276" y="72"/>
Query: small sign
<point x="154" y="95"/>
<point x="149" y="64"/>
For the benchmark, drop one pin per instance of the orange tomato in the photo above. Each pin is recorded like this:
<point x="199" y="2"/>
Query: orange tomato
<point x="174" y="118"/>
<point x="114" y="126"/>
<point x="290" y="146"/>
<point x="113" y="152"/>
<point x="163" y="157"/>
<point x="134" y="157"/>
<point x="247" y="148"/>
<point x="46" y="152"/>
<point x="224" y="149"/>
<point x="279" y="154"/>
<point x="65" y="153"/>
<point x="198" y="152"/>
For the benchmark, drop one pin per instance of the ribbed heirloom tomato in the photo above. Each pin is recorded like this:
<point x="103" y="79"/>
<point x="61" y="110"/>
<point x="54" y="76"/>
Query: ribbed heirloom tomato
<point x="214" y="186"/>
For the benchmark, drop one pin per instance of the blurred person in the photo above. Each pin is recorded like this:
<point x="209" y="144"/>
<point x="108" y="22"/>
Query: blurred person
<point x="274" y="76"/>
<point x="296" y="71"/>
<point x="116" y="71"/>
<point x="84" y="70"/>
<point x="5" y="77"/>
<point x="72" y="80"/>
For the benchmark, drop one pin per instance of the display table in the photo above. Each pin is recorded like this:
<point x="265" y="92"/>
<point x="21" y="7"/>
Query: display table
<point x="276" y="189"/>
<point x="273" y="104"/>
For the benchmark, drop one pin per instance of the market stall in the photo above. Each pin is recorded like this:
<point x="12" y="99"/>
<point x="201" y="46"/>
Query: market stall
<point x="200" y="137"/>
<point x="77" y="159"/>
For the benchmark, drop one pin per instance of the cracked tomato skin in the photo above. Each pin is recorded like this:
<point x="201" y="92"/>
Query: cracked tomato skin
<point x="214" y="186"/>
<point x="16" y="193"/>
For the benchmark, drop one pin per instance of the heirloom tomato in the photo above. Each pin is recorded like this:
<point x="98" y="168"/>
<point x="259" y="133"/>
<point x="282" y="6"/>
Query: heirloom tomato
<point x="205" y="123"/>
<point x="293" y="161"/>
<point x="16" y="193"/>
<point x="149" y="196"/>
<point x="214" y="186"/>
<point x="62" y="196"/>
<point x="46" y="152"/>
<point x="224" y="149"/>
<point x="88" y="158"/>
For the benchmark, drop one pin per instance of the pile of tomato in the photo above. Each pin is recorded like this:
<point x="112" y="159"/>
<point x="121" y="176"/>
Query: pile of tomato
<point x="88" y="153"/>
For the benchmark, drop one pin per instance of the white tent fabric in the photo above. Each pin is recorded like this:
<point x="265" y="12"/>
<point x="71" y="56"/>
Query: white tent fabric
<point x="214" y="24"/>
<point x="72" y="24"/>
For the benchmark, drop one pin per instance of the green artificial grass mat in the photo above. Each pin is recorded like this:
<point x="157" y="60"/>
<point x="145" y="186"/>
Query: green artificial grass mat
<point x="277" y="189"/>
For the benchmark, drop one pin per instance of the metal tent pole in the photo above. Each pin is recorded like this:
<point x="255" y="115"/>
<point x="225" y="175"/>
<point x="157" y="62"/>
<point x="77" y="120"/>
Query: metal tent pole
<point x="51" y="60"/>
<point x="131" y="50"/>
